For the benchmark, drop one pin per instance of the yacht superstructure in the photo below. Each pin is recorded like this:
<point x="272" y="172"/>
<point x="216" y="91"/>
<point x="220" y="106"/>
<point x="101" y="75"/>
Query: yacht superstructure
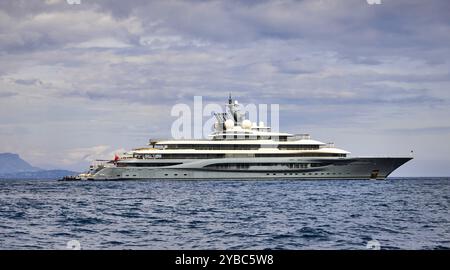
<point x="240" y="149"/>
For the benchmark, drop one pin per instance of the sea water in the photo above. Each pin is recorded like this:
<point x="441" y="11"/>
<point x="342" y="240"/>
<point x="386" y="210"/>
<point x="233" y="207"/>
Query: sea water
<point x="400" y="213"/>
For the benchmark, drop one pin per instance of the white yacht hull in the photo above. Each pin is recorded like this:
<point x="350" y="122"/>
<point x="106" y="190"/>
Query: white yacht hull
<point x="326" y="168"/>
<point x="240" y="149"/>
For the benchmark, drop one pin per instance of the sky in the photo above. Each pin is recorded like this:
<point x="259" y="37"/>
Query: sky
<point x="83" y="81"/>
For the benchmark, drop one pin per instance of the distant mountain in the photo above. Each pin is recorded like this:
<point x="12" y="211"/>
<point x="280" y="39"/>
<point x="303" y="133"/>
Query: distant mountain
<point x="13" y="167"/>
<point x="12" y="163"/>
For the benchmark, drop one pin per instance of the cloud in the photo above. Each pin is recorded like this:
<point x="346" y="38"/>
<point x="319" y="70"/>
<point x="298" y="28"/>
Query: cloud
<point x="90" y="154"/>
<point x="85" y="154"/>
<point x="53" y="30"/>
<point x="29" y="81"/>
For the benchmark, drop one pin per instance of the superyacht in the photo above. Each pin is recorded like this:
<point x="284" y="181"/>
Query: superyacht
<point x="240" y="149"/>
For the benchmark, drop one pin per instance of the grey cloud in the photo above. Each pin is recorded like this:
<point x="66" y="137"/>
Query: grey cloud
<point x="421" y="131"/>
<point x="349" y="27"/>
<point x="363" y="60"/>
<point x="7" y="94"/>
<point x="55" y="30"/>
<point x="29" y="81"/>
<point x="333" y="23"/>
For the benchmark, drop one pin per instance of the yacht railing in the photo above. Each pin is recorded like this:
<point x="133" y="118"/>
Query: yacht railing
<point x="328" y="145"/>
<point x="297" y="137"/>
<point x="100" y="162"/>
<point x="154" y="141"/>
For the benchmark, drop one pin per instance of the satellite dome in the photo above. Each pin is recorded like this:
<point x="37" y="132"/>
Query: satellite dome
<point x="229" y="124"/>
<point x="246" y="124"/>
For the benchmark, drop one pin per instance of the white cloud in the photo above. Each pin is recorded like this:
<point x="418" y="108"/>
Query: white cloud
<point x="85" y="154"/>
<point x="53" y="2"/>
<point x="60" y="28"/>
<point x="100" y="43"/>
